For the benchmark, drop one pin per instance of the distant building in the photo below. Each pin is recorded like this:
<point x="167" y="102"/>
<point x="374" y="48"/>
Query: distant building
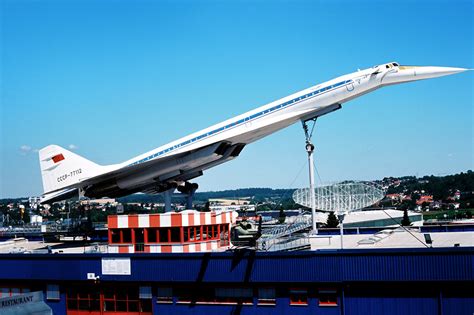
<point x="424" y="198"/>
<point x="379" y="218"/>
<point x="34" y="202"/>
<point x="36" y="219"/>
<point x="238" y="208"/>
<point x="229" y="202"/>
<point x="394" y="197"/>
<point x="102" y="202"/>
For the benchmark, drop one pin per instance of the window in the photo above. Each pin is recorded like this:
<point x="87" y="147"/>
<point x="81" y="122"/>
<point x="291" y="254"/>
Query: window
<point x="327" y="297"/>
<point x="115" y="235"/>
<point x="145" y="292"/>
<point x="205" y="231"/>
<point x="126" y="236"/>
<point x="152" y="235"/>
<point x="209" y="295"/>
<point x="214" y="232"/>
<point x="81" y="299"/>
<point x="175" y="235"/>
<point x="52" y="292"/>
<point x="165" y="295"/>
<point x="139" y="236"/>
<point x="192" y="233"/>
<point x="266" y="296"/>
<point x="234" y="295"/>
<point x="96" y="300"/>
<point x="7" y="292"/>
<point x="224" y="237"/>
<point x="188" y="295"/>
<point x="298" y="297"/>
<point x="163" y="235"/>
<point x="185" y="234"/>
<point x="15" y="291"/>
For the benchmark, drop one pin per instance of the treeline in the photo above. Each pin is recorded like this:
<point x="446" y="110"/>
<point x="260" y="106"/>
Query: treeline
<point x="257" y="195"/>
<point x="441" y="187"/>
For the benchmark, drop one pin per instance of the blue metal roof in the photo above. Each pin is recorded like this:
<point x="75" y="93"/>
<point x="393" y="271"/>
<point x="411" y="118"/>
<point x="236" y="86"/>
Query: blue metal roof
<point x="428" y="264"/>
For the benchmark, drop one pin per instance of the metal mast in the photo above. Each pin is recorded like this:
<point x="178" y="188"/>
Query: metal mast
<point x="310" y="150"/>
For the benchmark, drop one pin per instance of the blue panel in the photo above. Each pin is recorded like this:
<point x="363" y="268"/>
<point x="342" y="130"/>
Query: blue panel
<point x="335" y="266"/>
<point x="282" y="307"/>
<point x="391" y="299"/>
<point x="458" y="305"/>
<point x="58" y="307"/>
<point x="391" y="305"/>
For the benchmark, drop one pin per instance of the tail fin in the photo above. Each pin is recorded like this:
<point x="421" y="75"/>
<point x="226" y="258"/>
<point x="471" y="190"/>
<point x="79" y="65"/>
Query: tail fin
<point x="61" y="168"/>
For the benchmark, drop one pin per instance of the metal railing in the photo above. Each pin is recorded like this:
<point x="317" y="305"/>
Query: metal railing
<point x="301" y="222"/>
<point x="285" y="244"/>
<point x="280" y="238"/>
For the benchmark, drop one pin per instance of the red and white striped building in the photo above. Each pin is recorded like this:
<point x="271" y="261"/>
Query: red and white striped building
<point x="184" y="232"/>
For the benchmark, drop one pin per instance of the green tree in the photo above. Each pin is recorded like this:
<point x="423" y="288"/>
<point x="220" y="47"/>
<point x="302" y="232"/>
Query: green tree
<point x="406" y="220"/>
<point x="332" y="221"/>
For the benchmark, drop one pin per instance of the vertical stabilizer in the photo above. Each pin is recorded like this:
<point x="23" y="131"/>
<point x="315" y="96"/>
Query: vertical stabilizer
<point x="61" y="168"/>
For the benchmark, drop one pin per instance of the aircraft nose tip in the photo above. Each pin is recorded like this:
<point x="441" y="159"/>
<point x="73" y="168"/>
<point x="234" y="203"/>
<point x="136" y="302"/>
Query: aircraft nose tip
<point x="438" y="71"/>
<point x="415" y="73"/>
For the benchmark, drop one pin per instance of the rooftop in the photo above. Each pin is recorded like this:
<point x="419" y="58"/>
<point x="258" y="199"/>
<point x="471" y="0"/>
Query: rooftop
<point x="397" y="238"/>
<point x="386" y="239"/>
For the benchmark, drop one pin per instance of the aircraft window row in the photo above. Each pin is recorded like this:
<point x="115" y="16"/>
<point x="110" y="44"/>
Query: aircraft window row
<point x="244" y="120"/>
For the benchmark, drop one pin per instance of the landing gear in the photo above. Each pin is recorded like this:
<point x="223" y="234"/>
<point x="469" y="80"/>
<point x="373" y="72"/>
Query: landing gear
<point x="310" y="150"/>
<point x="188" y="189"/>
<point x="167" y="196"/>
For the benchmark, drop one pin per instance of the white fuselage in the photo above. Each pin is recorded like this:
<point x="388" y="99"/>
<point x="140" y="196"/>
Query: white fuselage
<point x="186" y="158"/>
<point x="271" y="117"/>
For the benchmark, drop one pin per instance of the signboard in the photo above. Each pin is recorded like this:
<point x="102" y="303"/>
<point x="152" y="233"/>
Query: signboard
<point x="116" y="266"/>
<point x="20" y="299"/>
<point x="25" y="304"/>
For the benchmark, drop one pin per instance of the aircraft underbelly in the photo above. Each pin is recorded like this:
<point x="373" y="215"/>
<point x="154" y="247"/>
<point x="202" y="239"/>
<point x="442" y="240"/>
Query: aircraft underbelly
<point x="153" y="173"/>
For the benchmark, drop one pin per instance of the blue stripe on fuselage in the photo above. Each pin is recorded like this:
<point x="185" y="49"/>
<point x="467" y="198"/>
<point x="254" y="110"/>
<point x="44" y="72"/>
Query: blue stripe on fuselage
<point x="244" y="120"/>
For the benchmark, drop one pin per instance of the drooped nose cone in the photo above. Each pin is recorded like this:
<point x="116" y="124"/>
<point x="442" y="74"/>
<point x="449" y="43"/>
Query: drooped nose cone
<point x="414" y="73"/>
<point x="434" y="72"/>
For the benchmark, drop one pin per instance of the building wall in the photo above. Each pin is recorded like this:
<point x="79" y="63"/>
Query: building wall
<point x="353" y="298"/>
<point x="396" y="281"/>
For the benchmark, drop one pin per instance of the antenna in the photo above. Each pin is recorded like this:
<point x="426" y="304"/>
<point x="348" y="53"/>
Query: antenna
<point x="340" y="198"/>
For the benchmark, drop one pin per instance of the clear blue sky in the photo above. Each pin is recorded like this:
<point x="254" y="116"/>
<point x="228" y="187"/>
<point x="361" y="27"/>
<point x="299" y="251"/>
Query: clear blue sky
<point x="117" y="78"/>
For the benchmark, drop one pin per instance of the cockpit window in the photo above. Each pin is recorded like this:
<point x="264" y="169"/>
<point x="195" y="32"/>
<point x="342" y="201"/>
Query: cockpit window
<point x="395" y="64"/>
<point x="386" y="66"/>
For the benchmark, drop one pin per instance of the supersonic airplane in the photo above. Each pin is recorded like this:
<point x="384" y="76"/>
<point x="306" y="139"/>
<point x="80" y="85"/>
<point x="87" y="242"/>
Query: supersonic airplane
<point x="66" y="174"/>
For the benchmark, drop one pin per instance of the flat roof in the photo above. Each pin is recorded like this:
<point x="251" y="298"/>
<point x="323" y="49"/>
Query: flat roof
<point x="397" y="238"/>
<point x="387" y="239"/>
